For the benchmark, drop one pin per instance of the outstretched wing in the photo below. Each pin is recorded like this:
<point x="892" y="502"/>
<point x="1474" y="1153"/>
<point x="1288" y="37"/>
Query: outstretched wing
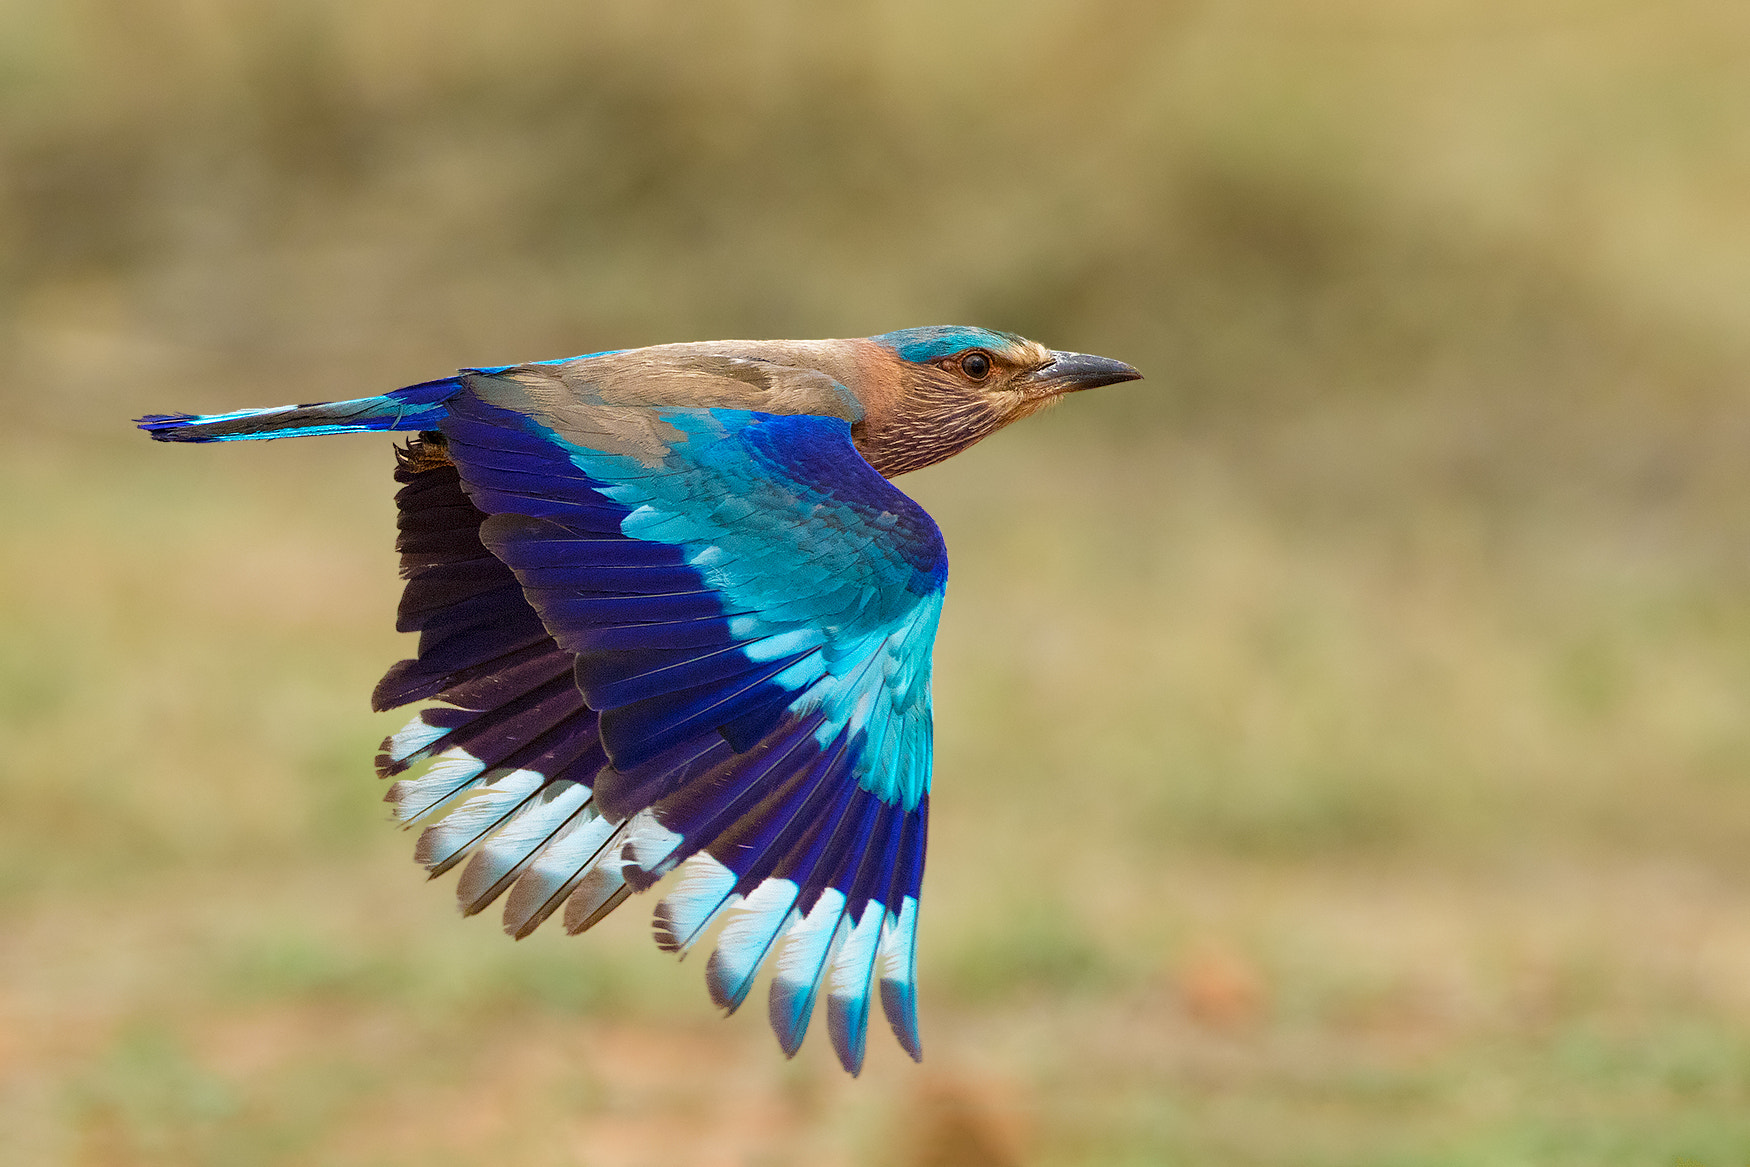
<point x="749" y="608"/>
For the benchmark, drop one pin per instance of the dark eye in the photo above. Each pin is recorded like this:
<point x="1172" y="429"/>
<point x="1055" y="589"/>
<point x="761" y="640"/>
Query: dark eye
<point x="975" y="365"/>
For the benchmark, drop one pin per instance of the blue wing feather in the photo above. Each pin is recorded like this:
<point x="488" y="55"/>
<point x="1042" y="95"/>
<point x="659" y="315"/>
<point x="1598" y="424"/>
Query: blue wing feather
<point x="752" y="610"/>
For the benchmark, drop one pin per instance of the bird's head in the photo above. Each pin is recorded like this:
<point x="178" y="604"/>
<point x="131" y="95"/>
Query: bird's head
<point x="947" y="386"/>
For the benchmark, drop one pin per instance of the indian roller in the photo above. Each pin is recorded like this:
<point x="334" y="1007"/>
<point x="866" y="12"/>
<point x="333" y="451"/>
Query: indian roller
<point x="677" y="616"/>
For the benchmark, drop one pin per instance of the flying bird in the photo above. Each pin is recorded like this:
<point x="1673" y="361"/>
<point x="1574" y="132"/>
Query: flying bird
<point x="676" y="615"/>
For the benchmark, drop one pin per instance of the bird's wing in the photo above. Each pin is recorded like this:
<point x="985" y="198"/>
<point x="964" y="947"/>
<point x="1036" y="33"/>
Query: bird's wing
<point x="750" y="609"/>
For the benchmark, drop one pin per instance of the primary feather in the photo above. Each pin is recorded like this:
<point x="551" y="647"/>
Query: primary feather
<point x="676" y="616"/>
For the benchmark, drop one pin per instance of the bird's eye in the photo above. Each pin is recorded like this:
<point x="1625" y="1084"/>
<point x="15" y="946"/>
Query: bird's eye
<point x="975" y="365"/>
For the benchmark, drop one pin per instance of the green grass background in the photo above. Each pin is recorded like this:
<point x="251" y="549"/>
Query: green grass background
<point x="1342" y="743"/>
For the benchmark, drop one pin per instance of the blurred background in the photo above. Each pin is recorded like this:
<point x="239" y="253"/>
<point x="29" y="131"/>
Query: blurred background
<point x="1343" y="752"/>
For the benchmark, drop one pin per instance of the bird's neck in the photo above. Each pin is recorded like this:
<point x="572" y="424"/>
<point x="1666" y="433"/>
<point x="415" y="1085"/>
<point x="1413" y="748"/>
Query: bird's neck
<point x="922" y="429"/>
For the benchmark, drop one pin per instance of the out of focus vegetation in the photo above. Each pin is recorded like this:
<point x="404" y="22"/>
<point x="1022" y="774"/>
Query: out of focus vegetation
<point x="1343" y="744"/>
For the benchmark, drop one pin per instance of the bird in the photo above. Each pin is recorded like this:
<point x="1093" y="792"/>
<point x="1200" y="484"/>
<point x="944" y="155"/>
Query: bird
<point x="675" y="616"/>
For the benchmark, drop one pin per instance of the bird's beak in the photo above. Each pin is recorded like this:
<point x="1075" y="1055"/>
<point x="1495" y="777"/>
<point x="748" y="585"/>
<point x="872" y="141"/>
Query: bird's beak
<point x="1070" y="372"/>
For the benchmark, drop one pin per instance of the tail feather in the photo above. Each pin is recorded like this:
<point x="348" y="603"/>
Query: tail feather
<point x="417" y="407"/>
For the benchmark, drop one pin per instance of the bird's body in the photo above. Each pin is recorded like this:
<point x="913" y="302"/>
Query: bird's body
<point x="678" y="616"/>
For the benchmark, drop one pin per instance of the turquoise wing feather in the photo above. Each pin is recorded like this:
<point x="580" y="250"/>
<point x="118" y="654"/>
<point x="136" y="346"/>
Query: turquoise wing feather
<point x="751" y="608"/>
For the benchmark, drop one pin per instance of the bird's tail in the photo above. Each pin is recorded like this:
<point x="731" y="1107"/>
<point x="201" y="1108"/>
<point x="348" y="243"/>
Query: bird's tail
<point x="417" y="407"/>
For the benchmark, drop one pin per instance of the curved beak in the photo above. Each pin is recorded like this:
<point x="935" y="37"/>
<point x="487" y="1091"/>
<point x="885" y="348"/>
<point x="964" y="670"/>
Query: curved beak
<point x="1072" y="372"/>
